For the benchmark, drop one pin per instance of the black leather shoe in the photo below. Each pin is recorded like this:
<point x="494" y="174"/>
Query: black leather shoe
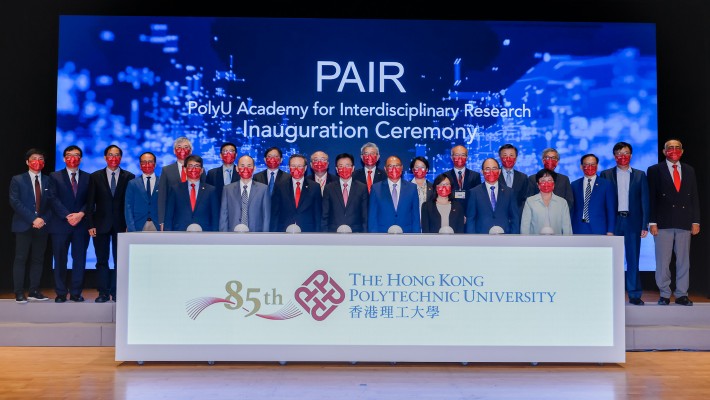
<point x="684" y="301"/>
<point x="664" y="301"/>
<point x="102" y="298"/>
<point x="77" y="299"/>
<point x="20" y="298"/>
<point x="60" y="299"/>
<point x="636" y="301"/>
<point x="37" y="296"/>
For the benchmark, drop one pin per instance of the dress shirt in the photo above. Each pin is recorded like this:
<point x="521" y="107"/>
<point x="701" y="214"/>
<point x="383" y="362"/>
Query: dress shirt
<point x="153" y="182"/>
<point x="321" y="181"/>
<point x="108" y="175"/>
<point x="69" y="172"/>
<point x="463" y="174"/>
<point x="488" y="189"/>
<point x="584" y="183"/>
<point x="623" y="181"/>
<point x="505" y="177"/>
<point x="225" y="177"/>
<point x="243" y="182"/>
<point x="189" y="187"/>
<point x="32" y="178"/>
<point x="296" y="186"/>
<point x="349" y="181"/>
<point x="670" y="169"/>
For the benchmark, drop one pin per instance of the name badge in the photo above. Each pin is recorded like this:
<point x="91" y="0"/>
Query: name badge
<point x="459" y="194"/>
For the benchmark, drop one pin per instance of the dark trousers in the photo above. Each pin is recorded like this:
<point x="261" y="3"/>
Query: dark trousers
<point x="105" y="276"/>
<point x="78" y="239"/>
<point x="31" y="244"/>
<point x="632" y="248"/>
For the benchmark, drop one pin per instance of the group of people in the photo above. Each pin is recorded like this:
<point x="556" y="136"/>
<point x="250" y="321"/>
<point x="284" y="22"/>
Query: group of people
<point x="72" y="206"/>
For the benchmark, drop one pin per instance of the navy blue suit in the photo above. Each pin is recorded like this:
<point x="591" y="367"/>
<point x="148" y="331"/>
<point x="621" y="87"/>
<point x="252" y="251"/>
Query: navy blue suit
<point x="602" y="207"/>
<point x="382" y="215"/>
<point x="631" y="225"/>
<point x="140" y="206"/>
<point x="215" y="177"/>
<point x="378" y="175"/>
<point x="262" y="177"/>
<point x="480" y="216"/>
<point x="64" y="202"/>
<point x="284" y="212"/>
<point x="336" y="213"/>
<point x="471" y="179"/>
<point x="520" y="187"/>
<point x="170" y="175"/>
<point x="179" y="214"/>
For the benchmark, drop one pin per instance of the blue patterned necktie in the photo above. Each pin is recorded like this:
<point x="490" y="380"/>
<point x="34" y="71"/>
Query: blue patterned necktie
<point x="245" y="205"/>
<point x="493" y="197"/>
<point x="271" y="183"/>
<point x="587" y="195"/>
<point x="113" y="183"/>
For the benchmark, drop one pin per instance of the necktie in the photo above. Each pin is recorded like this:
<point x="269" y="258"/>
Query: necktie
<point x="113" y="183"/>
<point x="369" y="180"/>
<point x="245" y="206"/>
<point x="509" y="178"/>
<point x="227" y="177"/>
<point x="676" y="178"/>
<point x="193" y="196"/>
<point x="271" y="183"/>
<point x="345" y="194"/>
<point x="74" y="184"/>
<point x="147" y="185"/>
<point x="183" y="174"/>
<point x="38" y="193"/>
<point x="493" y="197"/>
<point x="395" y="197"/>
<point x="587" y="195"/>
<point x="298" y="193"/>
<point x="460" y="180"/>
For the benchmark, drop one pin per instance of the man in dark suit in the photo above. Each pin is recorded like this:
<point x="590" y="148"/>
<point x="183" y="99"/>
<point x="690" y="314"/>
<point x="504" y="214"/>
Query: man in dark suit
<point x="631" y="188"/>
<point x="105" y="214"/>
<point x="511" y="177"/>
<point x="142" y="197"/>
<point x="345" y="200"/>
<point x="68" y="227"/>
<point x="272" y="175"/>
<point x="319" y="170"/>
<point x="675" y="217"/>
<point x="394" y="201"/>
<point x="462" y="179"/>
<point x="226" y="173"/>
<point x="245" y="201"/>
<point x="594" y="211"/>
<point x="173" y="173"/>
<point x="30" y="199"/>
<point x="297" y="200"/>
<point x="192" y="201"/>
<point x="492" y="203"/>
<point x="370" y="173"/>
<point x="563" y="188"/>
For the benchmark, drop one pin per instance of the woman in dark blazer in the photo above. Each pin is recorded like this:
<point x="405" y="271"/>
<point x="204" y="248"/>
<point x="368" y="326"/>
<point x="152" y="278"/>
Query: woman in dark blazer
<point x="443" y="207"/>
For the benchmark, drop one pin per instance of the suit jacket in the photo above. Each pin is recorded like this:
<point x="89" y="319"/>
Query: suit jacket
<point x="169" y="176"/>
<point x="378" y="176"/>
<point x="179" y="214"/>
<point x="336" y="213"/>
<point x="103" y="210"/>
<point x="382" y="215"/>
<point x="670" y="208"/>
<point x="563" y="188"/>
<point x="283" y="206"/>
<point x="639" y="206"/>
<point x="64" y="202"/>
<point x="520" y="187"/>
<point x="431" y="219"/>
<point x="328" y="179"/>
<point x="215" y="177"/>
<point x="262" y="177"/>
<point x="140" y="206"/>
<point x="471" y="179"/>
<point x="22" y="200"/>
<point x="258" y="207"/>
<point x="602" y="207"/>
<point x="480" y="216"/>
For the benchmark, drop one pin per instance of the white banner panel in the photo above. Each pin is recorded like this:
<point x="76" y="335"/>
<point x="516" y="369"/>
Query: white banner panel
<point x="369" y="297"/>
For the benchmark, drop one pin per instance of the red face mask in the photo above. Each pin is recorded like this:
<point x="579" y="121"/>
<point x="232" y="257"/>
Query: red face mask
<point x="673" y="154"/>
<point x="297" y="173"/>
<point x="72" y="161"/>
<point x="419" y="173"/>
<point x="245" y="172"/>
<point x="345" y="173"/>
<point x="546" y="187"/>
<point x="193" y="173"/>
<point x="394" y="173"/>
<point x="319" y="166"/>
<point x="623" y="160"/>
<point x="589" y="170"/>
<point x="550" y="164"/>
<point x="148" y="168"/>
<point x="273" y="163"/>
<point x="182" y="154"/>
<point x="36" y="165"/>
<point x="228" y="158"/>
<point x="491" y="176"/>
<point x="113" y="162"/>
<point x="443" y="191"/>
<point x="508" y="162"/>
<point x="459" y="162"/>
<point x="369" y="160"/>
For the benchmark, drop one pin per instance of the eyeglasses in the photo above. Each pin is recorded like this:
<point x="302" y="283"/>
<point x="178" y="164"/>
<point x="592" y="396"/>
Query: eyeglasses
<point x="147" y="162"/>
<point x="674" y="147"/>
<point x="113" y="155"/>
<point x="459" y="155"/>
<point x="229" y="152"/>
<point x="622" y="153"/>
<point x="297" y="166"/>
<point x="491" y="169"/>
<point x="72" y="155"/>
<point x="369" y="153"/>
<point x="183" y="147"/>
<point x="319" y="160"/>
<point x="344" y="166"/>
<point x="193" y="166"/>
<point x="589" y="165"/>
<point x="394" y="166"/>
<point x="547" y="158"/>
<point x="443" y="185"/>
<point x="272" y="157"/>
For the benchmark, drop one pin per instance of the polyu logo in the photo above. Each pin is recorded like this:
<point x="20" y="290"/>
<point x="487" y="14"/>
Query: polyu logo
<point x="319" y="295"/>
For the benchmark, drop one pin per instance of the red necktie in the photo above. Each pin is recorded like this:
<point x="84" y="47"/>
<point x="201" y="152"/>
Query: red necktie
<point x="298" y="193"/>
<point x="193" y="196"/>
<point x="676" y="178"/>
<point x="345" y="194"/>
<point x="183" y="175"/>
<point x="369" y="180"/>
